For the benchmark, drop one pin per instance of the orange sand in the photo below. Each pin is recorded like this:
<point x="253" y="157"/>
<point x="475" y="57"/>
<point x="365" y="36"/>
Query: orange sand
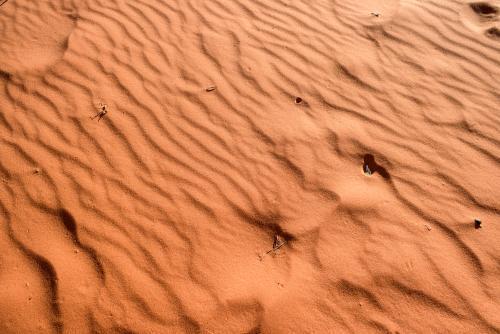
<point x="161" y="216"/>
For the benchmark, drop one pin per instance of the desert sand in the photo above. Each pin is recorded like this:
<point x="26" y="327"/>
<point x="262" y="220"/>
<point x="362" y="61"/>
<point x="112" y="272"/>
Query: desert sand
<point x="249" y="166"/>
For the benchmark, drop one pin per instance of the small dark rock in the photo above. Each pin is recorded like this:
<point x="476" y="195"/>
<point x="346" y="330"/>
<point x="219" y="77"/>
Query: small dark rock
<point x="477" y="223"/>
<point x="298" y="100"/>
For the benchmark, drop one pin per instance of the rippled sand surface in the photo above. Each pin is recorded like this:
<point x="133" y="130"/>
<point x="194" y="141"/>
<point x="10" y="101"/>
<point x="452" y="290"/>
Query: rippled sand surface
<point x="249" y="166"/>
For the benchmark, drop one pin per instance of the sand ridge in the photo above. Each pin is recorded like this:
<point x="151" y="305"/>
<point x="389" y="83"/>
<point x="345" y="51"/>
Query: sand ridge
<point x="361" y="135"/>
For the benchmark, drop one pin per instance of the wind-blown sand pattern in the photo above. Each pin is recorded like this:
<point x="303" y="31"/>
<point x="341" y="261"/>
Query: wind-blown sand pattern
<point x="161" y="216"/>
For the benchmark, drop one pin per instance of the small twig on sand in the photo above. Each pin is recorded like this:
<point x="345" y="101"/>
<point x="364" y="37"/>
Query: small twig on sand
<point x="275" y="248"/>
<point x="277" y="243"/>
<point x="103" y="110"/>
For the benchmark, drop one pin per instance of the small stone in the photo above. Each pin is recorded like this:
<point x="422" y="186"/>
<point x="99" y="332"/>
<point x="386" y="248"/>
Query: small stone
<point x="210" y="88"/>
<point x="367" y="170"/>
<point x="36" y="171"/>
<point x="375" y="14"/>
<point x="428" y="227"/>
<point x="477" y="223"/>
<point x="298" y="100"/>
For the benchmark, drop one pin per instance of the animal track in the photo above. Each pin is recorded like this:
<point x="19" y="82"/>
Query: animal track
<point x="481" y="17"/>
<point x="493" y="33"/>
<point x="484" y="9"/>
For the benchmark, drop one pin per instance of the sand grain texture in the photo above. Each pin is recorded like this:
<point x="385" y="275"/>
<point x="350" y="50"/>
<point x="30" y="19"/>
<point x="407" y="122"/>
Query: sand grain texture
<point x="364" y="134"/>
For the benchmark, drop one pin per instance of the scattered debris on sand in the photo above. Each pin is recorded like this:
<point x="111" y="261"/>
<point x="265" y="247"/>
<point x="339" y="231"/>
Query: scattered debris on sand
<point x="103" y="110"/>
